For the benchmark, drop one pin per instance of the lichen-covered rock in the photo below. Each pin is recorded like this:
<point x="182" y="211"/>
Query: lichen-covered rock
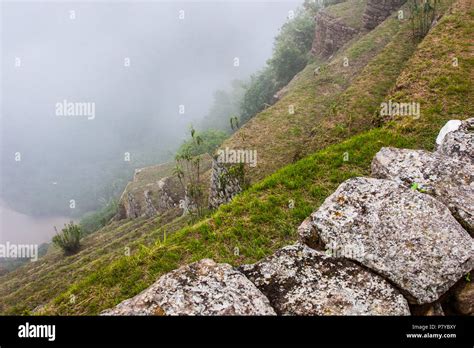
<point x="450" y="180"/>
<point x="458" y="140"/>
<point x="450" y="126"/>
<point x="301" y="281"/>
<point x="201" y="288"/>
<point x="406" y="236"/>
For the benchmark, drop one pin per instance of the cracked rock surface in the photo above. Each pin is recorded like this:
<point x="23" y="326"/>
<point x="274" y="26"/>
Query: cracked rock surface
<point x="450" y="180"/>
<point x="201" y="288"/>
<point x="458" y="142"/>
<point x="301" y="281"/>
<point x="406" y="236"/>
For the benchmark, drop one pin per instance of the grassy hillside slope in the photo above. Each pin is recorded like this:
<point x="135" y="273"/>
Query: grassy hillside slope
<point x="22" y="290"/>
<point x="261" y="220"/>
<point x="281" y="138"/>
<point x="266" y="216"/>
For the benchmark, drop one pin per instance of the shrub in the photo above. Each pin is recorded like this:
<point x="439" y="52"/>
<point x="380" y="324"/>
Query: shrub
<point x="69" y="238"/>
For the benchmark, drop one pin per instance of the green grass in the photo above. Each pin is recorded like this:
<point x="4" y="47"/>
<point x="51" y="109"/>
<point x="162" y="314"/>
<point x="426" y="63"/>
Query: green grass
<point x="34" y="284"/>
<point x="259" y="221"/>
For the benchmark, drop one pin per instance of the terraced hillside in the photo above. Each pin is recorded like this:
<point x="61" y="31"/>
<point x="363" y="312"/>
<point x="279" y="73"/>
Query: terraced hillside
<point x="349" y="86"/>
<point x="25" y="289"/>
<point x="332" y="136"/>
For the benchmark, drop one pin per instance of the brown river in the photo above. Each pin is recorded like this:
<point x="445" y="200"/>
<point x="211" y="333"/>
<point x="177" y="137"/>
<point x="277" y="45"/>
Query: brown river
<point x="19" y="228"/>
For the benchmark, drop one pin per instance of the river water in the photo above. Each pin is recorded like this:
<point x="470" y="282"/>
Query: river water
<point x="19" y="228"/>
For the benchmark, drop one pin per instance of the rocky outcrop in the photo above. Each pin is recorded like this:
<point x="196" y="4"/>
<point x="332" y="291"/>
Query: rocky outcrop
<point x="225" y="184"/>
<point x="378" y="10"/>
<point x="456" y="140"/>
<point x="156" y="190"/>
<point x="201" y="288"/>
<point x="407" y="236"/>
<point x="373" y="246"/>
<point x="301" y="281"/>
<point x="330" y="35"/>
<point x="151" y="199"/>
<point x="128" y="206"/>
<point x="429" y="310"/>
<point x="448" y="179"/>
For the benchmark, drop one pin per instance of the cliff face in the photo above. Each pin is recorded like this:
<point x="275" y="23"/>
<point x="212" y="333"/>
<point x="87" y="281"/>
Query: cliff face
<point x="331" y="34"/>
<point x="156" y="190"/>
<point x="377" y="10"/>
<point x="224" y="185"/>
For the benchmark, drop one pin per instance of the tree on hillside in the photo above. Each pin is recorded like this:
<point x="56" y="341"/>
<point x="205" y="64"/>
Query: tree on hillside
<point x="423" y="13"/>
<point x="291" y="53"/>
<point x="292" y="47"/>
<point x="259" y="92"/>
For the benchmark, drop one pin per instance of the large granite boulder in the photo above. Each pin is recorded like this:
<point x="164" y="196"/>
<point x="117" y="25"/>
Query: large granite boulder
<point x="456" y="139"/>
<point x="201" y="288"/>
<point x="406" y="236"/>
<point x="299" y="280"/>
<point x="450" y="180"/>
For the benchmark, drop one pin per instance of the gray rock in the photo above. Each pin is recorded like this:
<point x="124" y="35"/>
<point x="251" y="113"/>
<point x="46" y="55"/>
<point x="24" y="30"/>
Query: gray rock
<point x="450" y="126"/>
<point x="201" y="288"/>
<point x="450" y="180"/>
<point x="406" y="236"/>
<point x="459" y="143"/>
<point x="224" y="185"/>
<point x="301" y="281"/>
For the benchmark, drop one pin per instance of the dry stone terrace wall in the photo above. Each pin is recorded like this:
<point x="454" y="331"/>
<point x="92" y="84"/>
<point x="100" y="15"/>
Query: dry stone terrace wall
<point x="224" y="185"/>
<point x="377" y="10"/>
<point x="375" y="247"/>
<point x="330" y="35"/>
<point x="155" y="191"/>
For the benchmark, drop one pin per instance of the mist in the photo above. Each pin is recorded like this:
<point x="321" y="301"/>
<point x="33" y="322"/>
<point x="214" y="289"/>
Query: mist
<point x="148" y="69"/>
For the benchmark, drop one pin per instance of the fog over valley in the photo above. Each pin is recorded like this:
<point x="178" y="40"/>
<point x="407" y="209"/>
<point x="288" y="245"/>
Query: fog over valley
<point x="93" y="90"/>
